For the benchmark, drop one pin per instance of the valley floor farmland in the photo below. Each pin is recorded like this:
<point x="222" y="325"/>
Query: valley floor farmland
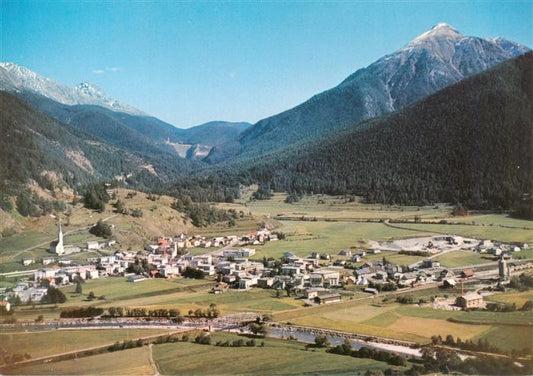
<point x="304" y="237"/>
<point x="332" y="223"/>
<point x="51" y="342"/>
<point x="181" y="294"/>
<point x="276" y="357"/>
<point x="127" y="362"/>
<point x="338" y="225"/>
<point x="413" y="323"/>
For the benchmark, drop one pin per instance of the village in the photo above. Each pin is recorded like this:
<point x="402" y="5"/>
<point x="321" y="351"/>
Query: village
<point x="320" y="278"/>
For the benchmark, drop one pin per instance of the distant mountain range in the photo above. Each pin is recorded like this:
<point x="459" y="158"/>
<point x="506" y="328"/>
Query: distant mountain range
<point x="89" y="108"/>
<point x="430" y="62"/>
<point x="14" y="78"/>
<point x="457" y="144"/>
<point x="78" y="135"/>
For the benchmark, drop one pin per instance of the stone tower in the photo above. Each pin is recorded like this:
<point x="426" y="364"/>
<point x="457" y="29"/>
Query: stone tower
<point x="503" y="269"/>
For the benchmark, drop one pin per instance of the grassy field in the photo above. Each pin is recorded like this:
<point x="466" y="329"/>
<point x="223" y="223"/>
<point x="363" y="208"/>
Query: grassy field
<point x="508" y="337"/>
<point x="118" y="292"/>
<point x="193" y="294"/>
<point x="128" y="362"/>
<point x="407" y="322"/>
<point x="518" y="298"/>
<point x="495" y="220"/>
<point x="257" y="300"/>
<point x="181" y="294"/>
<point x="304" y="237"/>
<point x="45" y="343"/>
<point x="322" y="206"/>
<point x="393" y="257"/>
<point x="21" y="241"/>
<point x="458" y="258"/>
<point x="277" y="357"/>
<point x="477" y="317"/>
<point x="117" y="288"/>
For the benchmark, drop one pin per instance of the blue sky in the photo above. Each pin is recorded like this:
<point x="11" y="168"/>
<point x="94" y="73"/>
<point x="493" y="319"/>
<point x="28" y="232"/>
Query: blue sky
<point x="189" y="63"/>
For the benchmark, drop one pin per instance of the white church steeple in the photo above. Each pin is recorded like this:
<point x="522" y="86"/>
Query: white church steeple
<point x="59" y="248"/>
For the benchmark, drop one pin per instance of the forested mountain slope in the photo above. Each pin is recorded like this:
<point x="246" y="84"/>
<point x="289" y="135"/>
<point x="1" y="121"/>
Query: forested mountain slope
<point x="430" y="62"/>
<point x="34" y="147"/>
<point x="141" y="133"/>
<point x="471" y="142"/>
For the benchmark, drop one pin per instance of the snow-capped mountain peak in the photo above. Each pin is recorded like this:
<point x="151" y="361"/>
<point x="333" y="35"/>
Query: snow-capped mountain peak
<point x="444" y="27"/>
<point x="440" y="34"/>
<point x="15" y="78"/>
<point x="439" y="57"/>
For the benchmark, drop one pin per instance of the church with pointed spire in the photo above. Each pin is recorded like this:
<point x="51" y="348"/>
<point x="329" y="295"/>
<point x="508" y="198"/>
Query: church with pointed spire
<point x="58" y="247"/>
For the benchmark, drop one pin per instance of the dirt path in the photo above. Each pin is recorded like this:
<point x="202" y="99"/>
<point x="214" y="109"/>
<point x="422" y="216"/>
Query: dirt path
<point x="388" y="224"/>
<point x="151" y="358"/>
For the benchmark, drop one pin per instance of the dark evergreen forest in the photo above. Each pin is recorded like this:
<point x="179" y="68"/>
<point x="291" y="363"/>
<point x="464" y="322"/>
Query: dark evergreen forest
<point x="469" y="143"/>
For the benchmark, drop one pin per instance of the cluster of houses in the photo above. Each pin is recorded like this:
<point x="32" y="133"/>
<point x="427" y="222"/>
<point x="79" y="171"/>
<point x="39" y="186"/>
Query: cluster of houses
<point x="184" y="241"/>
<point x="376" y="273"/>
<point x="314" y="278"/>
<point x="300" y="276"/>
<point x="58" y="248"/>
<point x="440" y="243"/>
<point x="34" y="291"/>
<point x="170" y="257"/>
<point x="498" y="249"/>
<point x="24" y="291"/>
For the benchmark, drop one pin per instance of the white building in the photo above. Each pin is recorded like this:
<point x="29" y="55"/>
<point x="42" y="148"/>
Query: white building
<point x="93" y="245"/>
<point x="92" y="274"/>
<point x="169" y="270"/>
<point x="48" y="260"/>
<point x="246" y="283"/>
<point x="44" y="273"/>
<point x="239" y="253"/>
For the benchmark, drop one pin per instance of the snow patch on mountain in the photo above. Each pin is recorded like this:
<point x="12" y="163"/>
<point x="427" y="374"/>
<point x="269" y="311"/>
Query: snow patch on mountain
<point x="15" y="78"/>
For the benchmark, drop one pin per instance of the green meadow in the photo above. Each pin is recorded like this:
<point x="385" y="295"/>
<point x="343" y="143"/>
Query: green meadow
<point x="277" y="357"/>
